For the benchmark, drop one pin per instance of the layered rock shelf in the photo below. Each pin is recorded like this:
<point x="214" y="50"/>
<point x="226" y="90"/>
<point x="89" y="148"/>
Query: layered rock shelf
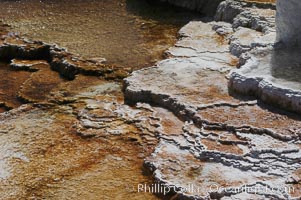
<point x="67" y="127"/>
<point x="60" y="60"/>
<point x="36" y="63"/>
<point x="270" y="72"/>
<point x="73" y="130"/>
<point x="227" y="146"/>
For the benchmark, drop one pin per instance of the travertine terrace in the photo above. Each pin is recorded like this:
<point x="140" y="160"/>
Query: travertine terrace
<point x="77" y="128"/>
<point x="271" y="73"/>
<point x="240" y="146"/>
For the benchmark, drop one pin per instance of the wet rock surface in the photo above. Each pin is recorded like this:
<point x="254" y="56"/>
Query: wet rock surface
<point x="84" y="135"/>
<point x="130" y="33"/>
<point x="60" y="60"/>
<point x="36" y="68"/>
<point x="67" y="165"/>
<point x="74" y="139"/>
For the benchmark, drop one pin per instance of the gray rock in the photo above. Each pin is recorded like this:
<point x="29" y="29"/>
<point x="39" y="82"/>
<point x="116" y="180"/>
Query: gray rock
<point x="228" y="10"/>
<point x="288" y="22"/>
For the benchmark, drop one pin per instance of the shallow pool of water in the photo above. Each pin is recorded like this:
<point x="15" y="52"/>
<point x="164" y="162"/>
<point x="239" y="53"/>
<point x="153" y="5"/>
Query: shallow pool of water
<point x="126" y="32"/>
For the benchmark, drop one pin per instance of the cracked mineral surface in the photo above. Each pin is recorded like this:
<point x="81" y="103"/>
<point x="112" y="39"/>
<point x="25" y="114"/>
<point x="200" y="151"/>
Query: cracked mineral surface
<point x="230" y="147"/>
<point x="269" y="72"/>
<point x="70" y="128"/>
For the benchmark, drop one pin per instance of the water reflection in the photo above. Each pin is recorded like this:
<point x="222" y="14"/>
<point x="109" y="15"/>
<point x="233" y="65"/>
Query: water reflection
<point x="161" y="12"/>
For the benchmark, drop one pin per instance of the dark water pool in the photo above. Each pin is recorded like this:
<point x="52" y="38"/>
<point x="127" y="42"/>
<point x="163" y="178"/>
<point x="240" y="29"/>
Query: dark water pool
<point x="132" y="33"/>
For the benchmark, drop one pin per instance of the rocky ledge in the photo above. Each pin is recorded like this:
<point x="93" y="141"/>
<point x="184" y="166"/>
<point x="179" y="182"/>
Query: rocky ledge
<point x="31" y="69"/>
<point x="68" y="65"/>
<point x="70" y="136"/>
<point x="198" y="139"/>
<point x="225" y="146"/>
<point x="266" y="75"/>
<point x="272" y="73"/>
